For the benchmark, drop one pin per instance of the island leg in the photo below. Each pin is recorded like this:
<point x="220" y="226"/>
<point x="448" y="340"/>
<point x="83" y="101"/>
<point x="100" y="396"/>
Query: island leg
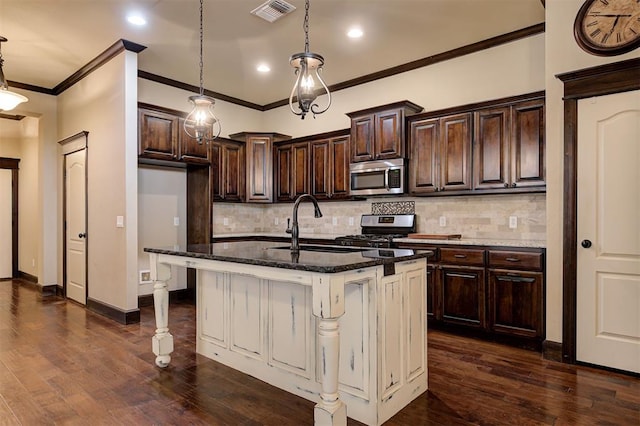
<point x="162" y="342"/>
<point x="328" y="306"/>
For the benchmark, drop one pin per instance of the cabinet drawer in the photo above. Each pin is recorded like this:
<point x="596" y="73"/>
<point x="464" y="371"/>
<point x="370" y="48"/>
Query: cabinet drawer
<point x="457" y="256"/>
<point x="515" y="260"/>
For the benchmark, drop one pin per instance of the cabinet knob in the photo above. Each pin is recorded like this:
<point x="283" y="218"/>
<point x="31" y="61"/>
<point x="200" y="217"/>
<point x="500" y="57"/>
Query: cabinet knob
<point x="506" y="184"/>
<point x="442" y="188"/>
<point x="586" y="243"/>
<point x="82" y="235"/>
<point x="513" y="185"/>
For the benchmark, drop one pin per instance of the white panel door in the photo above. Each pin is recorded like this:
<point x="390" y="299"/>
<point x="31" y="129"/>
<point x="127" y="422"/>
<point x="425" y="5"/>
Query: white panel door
<point x="608" y="259"/>
<point x="75" y="207"/>
<point x="6" y="224"/>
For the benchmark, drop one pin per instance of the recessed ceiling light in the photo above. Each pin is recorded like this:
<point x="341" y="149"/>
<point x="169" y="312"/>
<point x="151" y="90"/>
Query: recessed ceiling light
<point x="263" y="68"/>
<point x="136" y="19"/>
<point x="355" y="33"/>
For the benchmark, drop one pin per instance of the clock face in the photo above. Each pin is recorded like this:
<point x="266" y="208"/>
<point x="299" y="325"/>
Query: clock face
<point x="608" y="27"/>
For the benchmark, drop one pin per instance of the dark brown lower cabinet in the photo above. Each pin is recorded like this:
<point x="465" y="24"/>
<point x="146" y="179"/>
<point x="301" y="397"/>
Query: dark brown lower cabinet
<point x="515" y="302"/>
<point x="433" y="305"/>
<point x="463" y="296"/>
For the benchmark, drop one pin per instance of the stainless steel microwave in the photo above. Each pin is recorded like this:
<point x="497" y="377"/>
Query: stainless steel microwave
<point x="380" y="177"/>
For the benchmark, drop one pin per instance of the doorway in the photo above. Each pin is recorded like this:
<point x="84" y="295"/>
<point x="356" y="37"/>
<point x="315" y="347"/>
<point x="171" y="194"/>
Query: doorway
<point x="9" y="217"/>
<point x="74" y="150"/>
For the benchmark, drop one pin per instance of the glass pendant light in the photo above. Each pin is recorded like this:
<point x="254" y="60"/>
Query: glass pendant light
<point x="309" y="84"/>
<point x="201" y="123"/>
<point x="8" y="100"/>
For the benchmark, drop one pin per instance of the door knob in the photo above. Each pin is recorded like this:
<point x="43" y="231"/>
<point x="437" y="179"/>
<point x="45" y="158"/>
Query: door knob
<point x="82" y="235"/>
<point x="586" y="243"/>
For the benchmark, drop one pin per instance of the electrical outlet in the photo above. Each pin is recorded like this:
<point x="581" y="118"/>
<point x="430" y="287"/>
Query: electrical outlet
<point x="276" y="221"/>
<point x="334" y="221"/>
<point x="513" y="222"/>
<point x="176" y="221"/>
<point x="119" y="221"/>
<point x="33" y="262"/>
<point x="443" y="221"/>
<point x="351" y="221"/>
<point x="225" y="221"/>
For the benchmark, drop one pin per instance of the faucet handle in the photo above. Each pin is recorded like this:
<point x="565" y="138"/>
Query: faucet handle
<point x="288" y="230"/>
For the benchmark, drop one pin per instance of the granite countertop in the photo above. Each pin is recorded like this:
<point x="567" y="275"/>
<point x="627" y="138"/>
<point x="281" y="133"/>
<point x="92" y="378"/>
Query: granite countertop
<point x="329" y="259"/>
<point x="463" y="241"/>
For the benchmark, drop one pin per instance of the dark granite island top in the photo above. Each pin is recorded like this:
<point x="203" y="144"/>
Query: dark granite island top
<point x="312" y="258"/>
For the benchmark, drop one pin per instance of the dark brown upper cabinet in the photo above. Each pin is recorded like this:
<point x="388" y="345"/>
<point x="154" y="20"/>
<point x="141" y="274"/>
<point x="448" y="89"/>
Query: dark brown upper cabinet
<point x="330" y="168"/>
<point x="161" y="136"/>
<point x="440" y="154"/>
<point x="227" y="170"/>
<point x="509" y="146"/>
<point x="259" y="164"/>
<point x="379" y="133"/>
<point x="291" y="170"/>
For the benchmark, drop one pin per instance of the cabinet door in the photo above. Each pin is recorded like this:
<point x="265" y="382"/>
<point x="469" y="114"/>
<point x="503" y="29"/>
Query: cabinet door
<point x="388" y="138"/>
<point x="233" y="158"/>
<point x="455" y="152"/>
<point x="259" y="177"/>
<point x="515" y="302"/>
<point x="190" y="150"/>
<point x="283" y="173"/>
<point x="527" y="144"/>
<point x="423" y="161"/>
<point x="339" y="167"/>
<point x="330" y="168"/>
<point x="158" y="135"/>
<point x="300" y="169"/>
<point x="463" y="296"/>
<point x="491" y="165"/>
<point x="321" y="169"/>
<point x="362" y="138"/>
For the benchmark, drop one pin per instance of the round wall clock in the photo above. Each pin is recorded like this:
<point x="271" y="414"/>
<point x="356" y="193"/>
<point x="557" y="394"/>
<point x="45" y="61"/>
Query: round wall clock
<point x="608" y="27"/>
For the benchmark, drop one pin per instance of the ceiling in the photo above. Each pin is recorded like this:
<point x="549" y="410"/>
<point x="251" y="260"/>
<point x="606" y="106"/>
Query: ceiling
<point x="49" y="40"/>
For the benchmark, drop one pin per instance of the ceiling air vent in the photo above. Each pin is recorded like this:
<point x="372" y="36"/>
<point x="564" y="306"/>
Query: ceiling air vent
<point x="273" y="10"/>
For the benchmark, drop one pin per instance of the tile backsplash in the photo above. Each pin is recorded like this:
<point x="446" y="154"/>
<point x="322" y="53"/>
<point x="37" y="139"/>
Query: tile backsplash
<point x="478" y="217"/>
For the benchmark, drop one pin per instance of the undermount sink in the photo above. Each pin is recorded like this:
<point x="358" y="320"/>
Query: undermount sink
<point x="325" y="249"/>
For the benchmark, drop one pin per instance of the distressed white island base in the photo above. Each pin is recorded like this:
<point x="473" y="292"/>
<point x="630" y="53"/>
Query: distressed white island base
<point x="352" y="341"/>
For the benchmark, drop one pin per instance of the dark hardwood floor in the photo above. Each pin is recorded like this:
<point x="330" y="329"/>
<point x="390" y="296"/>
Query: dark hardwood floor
<point x="62" y="364"/>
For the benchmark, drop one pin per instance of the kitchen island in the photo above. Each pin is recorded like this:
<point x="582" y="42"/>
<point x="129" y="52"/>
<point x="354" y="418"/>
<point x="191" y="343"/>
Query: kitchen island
<point x="344" y="327"/>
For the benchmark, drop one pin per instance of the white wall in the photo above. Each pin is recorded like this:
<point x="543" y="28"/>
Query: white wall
<point x="510" y="69"/>
<point x="161" y="198"/>
<point x="562" y="55"/>
<point x="105" y="103"/>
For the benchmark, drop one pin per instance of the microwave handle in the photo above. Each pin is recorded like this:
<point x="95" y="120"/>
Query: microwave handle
<point x="386" y="179"/>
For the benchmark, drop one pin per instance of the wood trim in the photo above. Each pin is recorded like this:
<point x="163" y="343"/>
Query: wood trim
<point x="16" y="117"/>
<point x="473" y="107"/>
<point x="97" y="62"/>
<point x="30" y="87"/>
<point x="27" y="277"/>
<point x="395" y="105"/>
<point x="162" y="109"/>
<point x="552" y="351"/>
<point x="596" y="81"/>
<point x="317" y="136"/>
<point x="118" y="315"/>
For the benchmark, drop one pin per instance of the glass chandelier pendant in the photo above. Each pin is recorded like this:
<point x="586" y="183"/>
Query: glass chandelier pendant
<point x="309" y="84"/>
<point x="201" y="124"/>
<point x="8" y="100"/>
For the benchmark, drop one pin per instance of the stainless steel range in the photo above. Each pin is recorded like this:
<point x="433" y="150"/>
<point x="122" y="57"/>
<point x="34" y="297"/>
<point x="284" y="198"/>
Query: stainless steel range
<point x="380" y="230"/>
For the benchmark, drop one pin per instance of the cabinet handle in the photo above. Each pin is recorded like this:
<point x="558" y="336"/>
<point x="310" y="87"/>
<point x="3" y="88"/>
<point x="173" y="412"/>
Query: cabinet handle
<point x="515" y="279"/>
<point x="460" y="256"/>
<point x="512" y="259"/>
<point x="437" y="189"/>
<point x="442" y="188"/>
<point x="513" y="185"/>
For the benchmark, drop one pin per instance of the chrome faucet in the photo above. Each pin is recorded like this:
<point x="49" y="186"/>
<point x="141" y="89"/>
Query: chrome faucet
<point x="294" y="231"/>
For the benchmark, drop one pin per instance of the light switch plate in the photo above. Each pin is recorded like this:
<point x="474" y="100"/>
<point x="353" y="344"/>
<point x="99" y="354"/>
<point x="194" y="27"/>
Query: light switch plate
<point x="513" y="222"/>
<point x="176" y="221"/>
<point x="119" y="221"/>
<point x="443" y="221"/>
<point x="225" y="221"/>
